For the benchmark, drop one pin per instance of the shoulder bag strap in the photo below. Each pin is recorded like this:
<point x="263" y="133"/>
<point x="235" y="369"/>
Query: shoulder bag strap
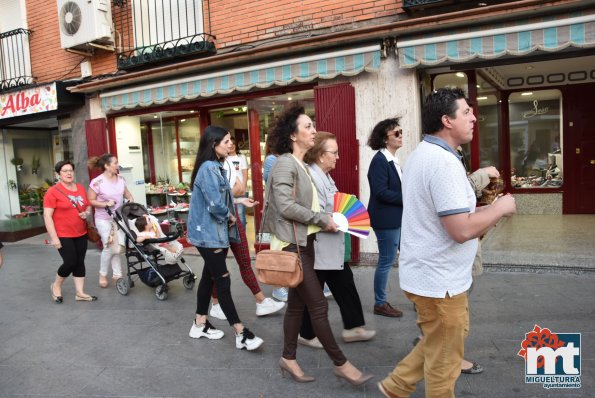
<point x="70" y="200"/>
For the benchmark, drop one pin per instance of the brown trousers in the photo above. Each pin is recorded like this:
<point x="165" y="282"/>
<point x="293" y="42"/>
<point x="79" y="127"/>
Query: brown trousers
<point x="308" y="294"/>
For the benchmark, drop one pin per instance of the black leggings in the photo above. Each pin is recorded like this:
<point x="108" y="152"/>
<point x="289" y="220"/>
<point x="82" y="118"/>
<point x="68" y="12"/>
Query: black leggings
<point x="213" y="273"/>
<point x="73" y="253"/>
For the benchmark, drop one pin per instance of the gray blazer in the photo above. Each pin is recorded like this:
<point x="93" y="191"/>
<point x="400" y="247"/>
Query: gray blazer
<point x="329" y="247"/>
<point x="281" y="208"/>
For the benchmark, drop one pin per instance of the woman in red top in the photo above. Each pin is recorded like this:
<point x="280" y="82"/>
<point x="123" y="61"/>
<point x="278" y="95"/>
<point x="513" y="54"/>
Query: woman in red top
<point x="65" y="210"/>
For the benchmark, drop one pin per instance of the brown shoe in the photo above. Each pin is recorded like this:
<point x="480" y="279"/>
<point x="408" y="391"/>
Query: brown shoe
<point x="387" y="310"/>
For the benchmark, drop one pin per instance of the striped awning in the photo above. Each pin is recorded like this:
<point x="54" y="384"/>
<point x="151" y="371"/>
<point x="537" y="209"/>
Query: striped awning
<point x="513" y="39"/>
<point x="280" y="73"/>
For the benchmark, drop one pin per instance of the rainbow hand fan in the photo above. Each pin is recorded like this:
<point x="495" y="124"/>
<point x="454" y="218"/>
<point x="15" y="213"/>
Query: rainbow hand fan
<point x="351" y="215"/>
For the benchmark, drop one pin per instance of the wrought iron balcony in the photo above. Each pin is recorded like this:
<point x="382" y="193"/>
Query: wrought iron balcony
<point x="15" y="59"/>
<point x="159" y="31"/>
<point x="416" y="3"/>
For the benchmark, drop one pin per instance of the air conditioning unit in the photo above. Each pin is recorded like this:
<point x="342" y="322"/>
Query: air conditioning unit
<point x="84" y="21"/>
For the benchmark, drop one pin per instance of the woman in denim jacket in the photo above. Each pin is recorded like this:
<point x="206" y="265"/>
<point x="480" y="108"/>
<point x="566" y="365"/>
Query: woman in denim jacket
<point x="211" y="225"/>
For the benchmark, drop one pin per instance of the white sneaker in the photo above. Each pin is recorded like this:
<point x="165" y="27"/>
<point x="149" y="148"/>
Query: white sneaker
<point x="268" y="306"/>
<point x="207" y="330"/>
<point x="326" y="291"/>
<point x="217" y="312"/>
<point x="280" y="294"/>
<point x="248" y="340"/>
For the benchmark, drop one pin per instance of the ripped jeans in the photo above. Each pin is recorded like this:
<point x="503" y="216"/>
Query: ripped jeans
<point x="213" y="274"/>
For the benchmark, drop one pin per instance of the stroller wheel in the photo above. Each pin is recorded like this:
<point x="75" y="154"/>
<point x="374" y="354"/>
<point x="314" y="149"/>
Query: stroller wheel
<point x="122" y="285"/>
<point x="161" y="292"/>
<point x="188" y="281"/>
<point x="130" y="282"/>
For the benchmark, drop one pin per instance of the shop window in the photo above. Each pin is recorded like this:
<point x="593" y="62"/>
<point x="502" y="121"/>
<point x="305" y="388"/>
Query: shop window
<point x="488" y="124"/>
<point x="536" y="139"/>
<point x="30" y="155"/>
<point x="268" y="108"/>
<point x="456" y="80"/>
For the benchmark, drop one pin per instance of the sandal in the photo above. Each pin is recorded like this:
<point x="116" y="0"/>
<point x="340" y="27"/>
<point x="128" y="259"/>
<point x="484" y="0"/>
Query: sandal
<point x="85" y="298"/>
<point x="473" y="370"/>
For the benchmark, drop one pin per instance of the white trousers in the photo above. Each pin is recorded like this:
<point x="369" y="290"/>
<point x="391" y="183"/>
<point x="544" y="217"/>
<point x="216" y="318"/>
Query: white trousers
<point x="104" y="227"/>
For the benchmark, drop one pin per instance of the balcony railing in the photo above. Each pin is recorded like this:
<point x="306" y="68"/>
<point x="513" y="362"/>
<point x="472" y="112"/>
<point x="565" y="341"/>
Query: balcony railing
<point x="416" y="3"/>
<point x="159" y="31"/>
<point x="15" y="59"/>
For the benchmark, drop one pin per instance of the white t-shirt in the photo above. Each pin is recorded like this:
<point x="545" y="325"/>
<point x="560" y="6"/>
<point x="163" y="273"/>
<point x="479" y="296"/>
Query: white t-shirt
<point x="435" y="185"/>
<point x="233" y="166"/>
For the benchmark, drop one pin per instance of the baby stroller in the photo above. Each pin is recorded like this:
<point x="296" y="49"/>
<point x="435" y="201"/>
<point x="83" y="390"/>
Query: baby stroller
<point x="144" y="260"/>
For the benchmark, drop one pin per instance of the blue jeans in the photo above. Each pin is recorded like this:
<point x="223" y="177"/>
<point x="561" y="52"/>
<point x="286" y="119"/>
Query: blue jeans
<point x="241" y="213"/>
<point x="388" y="243"/>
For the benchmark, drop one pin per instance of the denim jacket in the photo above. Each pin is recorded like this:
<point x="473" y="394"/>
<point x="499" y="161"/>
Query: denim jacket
<point x="211" y="205"/>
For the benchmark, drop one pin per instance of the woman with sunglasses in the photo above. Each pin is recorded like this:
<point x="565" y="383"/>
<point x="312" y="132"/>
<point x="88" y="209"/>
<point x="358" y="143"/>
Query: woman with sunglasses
<point x="385" y="206"/>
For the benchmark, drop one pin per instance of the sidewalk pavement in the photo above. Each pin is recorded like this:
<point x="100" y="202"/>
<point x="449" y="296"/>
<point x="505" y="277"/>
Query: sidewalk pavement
<point x="137" y="346"/>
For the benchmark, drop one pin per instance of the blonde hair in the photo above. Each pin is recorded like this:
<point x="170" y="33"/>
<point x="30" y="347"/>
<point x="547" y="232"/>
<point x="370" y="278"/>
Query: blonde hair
<point x="319" y="146"/>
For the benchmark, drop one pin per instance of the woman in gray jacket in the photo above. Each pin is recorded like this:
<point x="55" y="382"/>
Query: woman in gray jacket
<point x="329" y="249"/>
<point x="292" y="216"/>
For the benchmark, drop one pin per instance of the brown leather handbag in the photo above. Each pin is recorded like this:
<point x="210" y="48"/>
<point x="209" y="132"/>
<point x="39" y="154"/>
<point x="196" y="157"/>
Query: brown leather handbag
<point x="278" y="267"/>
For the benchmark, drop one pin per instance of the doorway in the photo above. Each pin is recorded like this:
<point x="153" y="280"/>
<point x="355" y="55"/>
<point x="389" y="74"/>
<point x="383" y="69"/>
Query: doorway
<point x="579" y="150"/>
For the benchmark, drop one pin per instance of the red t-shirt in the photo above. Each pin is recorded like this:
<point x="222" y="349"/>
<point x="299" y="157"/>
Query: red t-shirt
<point x="66" y="218"/>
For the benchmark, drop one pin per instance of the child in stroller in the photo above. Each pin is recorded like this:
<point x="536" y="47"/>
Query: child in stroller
<point x="148" y="228"/>
<point x="143" y="258"/>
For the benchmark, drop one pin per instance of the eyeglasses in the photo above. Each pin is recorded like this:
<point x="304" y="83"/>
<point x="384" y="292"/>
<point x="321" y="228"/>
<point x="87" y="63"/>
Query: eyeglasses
<point x="397" y="134"/>
<point x="67" y="171"/>
<point x="336" y="153"/>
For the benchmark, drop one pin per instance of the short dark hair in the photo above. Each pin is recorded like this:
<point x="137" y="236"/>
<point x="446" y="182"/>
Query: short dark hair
<point x="61" y="164"/>
<point x="437" y="104"/>
<point x="377" y="139"/>
<point x="319" y="146"/>
<point x="141" y="223"/>
<point x="279" y="137"/>
<point x="212" y="136"/>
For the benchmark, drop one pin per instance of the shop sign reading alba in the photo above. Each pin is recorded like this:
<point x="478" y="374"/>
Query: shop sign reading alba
<point x="26" y="102"/>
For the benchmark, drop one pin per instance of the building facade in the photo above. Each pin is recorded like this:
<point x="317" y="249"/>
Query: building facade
<point x="166" y="73"/>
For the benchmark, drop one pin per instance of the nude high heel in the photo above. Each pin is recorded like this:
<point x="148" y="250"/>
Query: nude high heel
<point x="300" y="379"/>
<point x="340" y="373"/>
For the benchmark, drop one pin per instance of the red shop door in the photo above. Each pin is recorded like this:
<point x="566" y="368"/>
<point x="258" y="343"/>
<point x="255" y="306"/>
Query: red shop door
<point x="335" y="113"/>
<point x="579" y="150"/>
<point x="96" y="141"/>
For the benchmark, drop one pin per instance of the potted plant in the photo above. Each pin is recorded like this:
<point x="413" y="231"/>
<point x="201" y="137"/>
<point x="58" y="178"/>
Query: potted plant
<point x="18" y="162"/>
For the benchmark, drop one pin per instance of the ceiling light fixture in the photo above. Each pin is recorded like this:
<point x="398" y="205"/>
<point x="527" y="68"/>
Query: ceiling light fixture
<point x="527" y="93"/>
<point x="460" y="74"/>
<point x="482" y="98"/>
